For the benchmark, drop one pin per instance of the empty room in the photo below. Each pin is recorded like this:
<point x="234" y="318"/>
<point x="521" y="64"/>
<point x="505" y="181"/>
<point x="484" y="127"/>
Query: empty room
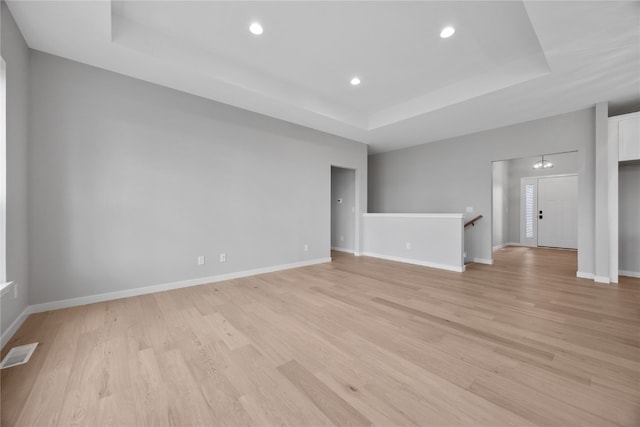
<point x="320" y="213"/>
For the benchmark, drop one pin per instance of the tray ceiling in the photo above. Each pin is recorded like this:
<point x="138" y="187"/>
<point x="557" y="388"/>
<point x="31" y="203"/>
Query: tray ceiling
<point x="507" y="62"/>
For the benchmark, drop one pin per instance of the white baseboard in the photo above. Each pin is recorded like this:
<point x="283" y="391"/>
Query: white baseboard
<point x="416" y="262"/>
<point x="11" y="330"/>
<point x="601" y="279"/>
<point x="504" y="245"/>
<point x="581" y="275"/>
<point x="628" y="273"/>
<point x="336" y="248"/>
<point x="483" y="261"/>
<point x="90" y="299"/>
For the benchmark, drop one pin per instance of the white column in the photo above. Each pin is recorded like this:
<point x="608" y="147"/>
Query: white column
<point x="602" y="228"/>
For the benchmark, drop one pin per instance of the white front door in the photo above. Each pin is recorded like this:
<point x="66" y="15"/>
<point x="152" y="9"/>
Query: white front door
<point x="557" y="212"/>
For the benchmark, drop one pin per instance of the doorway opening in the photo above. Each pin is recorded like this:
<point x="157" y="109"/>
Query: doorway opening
<point x="535" y="206"/>
<point x="343" y="209"/>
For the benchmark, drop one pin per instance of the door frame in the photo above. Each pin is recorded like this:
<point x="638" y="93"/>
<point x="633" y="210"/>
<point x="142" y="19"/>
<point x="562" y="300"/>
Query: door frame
<point x="523" y="238"/>
<point x="357" y="217"/>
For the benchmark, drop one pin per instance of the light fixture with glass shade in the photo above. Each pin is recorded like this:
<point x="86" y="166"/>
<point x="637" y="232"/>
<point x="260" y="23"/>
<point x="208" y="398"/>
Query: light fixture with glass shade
<point x="543" y="164"/>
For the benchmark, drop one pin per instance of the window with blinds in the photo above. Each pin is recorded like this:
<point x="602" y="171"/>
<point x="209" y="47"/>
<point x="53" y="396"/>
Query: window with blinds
<point x="529" y="210"/>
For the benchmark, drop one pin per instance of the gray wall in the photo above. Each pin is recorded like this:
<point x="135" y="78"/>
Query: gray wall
<point x="449" y="175"/>
<point x="343" y="224"/>
<point x="16" y="55"/>
<point x="565" y="163"/>
<point x="629" y="222"/>
<point x="129" y="182"/>
<point x="500" y="197"/>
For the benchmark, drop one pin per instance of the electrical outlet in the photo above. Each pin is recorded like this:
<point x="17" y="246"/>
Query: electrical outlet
<point x="201" y="260"/>
<point x="408" y="245"/>
<point x="223" y="257"/>
<point x="342" y="238"/>
<point x="306" y="248"/>
<point x="469" y="209"/>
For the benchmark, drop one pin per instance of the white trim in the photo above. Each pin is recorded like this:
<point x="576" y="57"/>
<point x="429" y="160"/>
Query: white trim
<point x="581" y="275"/>
<point x="504" y="245"/>
<point x="336" y="248"/>
<point x="5" y="288"/>
<point x="12" y="329"/>
<point x="414" y="215"/>
<point x="483" y="261"/>
<point x="356" y="216"/>
<point x="561" y="175"/>
<point x="90" y="299"/>
<point x="416" y="262"/>
<point x="3" y="171"/>
<point x="556" y="249"/>
<point x="628" y="273"/>
<point x="601" y="279"/>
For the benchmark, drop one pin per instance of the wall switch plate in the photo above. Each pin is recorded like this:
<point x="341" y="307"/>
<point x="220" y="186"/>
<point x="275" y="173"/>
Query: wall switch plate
<point x="408" y="245"/>
<point x="469" y="209"/>
<point x="342" y="238"/>
<point x="223" y="257"/>
<point x="201" y="260"/>
<point x="306" y="248"/>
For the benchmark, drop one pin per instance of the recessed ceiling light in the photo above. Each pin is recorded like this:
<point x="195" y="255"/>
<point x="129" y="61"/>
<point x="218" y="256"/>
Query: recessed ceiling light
<point x="256" y="28"/>
<point x="355" y="81"/>
<point x="447" y="32"/>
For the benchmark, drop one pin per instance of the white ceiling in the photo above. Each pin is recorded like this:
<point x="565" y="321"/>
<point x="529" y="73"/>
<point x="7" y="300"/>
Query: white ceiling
<point x="508" y="62"/>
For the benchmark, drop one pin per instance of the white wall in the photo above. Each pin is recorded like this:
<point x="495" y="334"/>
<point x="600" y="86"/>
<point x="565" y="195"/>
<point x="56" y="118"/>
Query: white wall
<point x="16" y="55"/>
<point x="449" y="175"/>
<point x="129" y="182"/>
<point x="602" y="242"/>
<point x="629" y="223"/>
<point x="432" y="240"/>
<point x="343" y="219"/>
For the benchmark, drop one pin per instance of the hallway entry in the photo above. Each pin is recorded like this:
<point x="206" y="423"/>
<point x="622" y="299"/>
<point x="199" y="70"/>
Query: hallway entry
<point x="343" y="209"/>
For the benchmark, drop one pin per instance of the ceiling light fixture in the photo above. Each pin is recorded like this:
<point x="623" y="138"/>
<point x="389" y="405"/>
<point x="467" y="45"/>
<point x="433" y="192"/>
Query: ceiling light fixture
<point x="355" y="81"/>
<point x="543" y="164"/>
<point x="447" y="32"/>
<point x="256" y="28"/>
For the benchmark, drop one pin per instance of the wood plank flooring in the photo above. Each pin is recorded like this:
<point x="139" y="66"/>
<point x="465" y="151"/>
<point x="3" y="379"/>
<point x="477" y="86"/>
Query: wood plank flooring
<point x="358" y="341"/>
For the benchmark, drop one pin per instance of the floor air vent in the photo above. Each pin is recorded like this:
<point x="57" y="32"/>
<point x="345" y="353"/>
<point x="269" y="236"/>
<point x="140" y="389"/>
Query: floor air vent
<point x="18" y="355"/>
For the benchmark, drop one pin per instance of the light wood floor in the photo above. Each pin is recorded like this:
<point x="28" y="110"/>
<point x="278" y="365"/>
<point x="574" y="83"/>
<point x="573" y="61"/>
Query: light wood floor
<point x="358" y="341"/>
